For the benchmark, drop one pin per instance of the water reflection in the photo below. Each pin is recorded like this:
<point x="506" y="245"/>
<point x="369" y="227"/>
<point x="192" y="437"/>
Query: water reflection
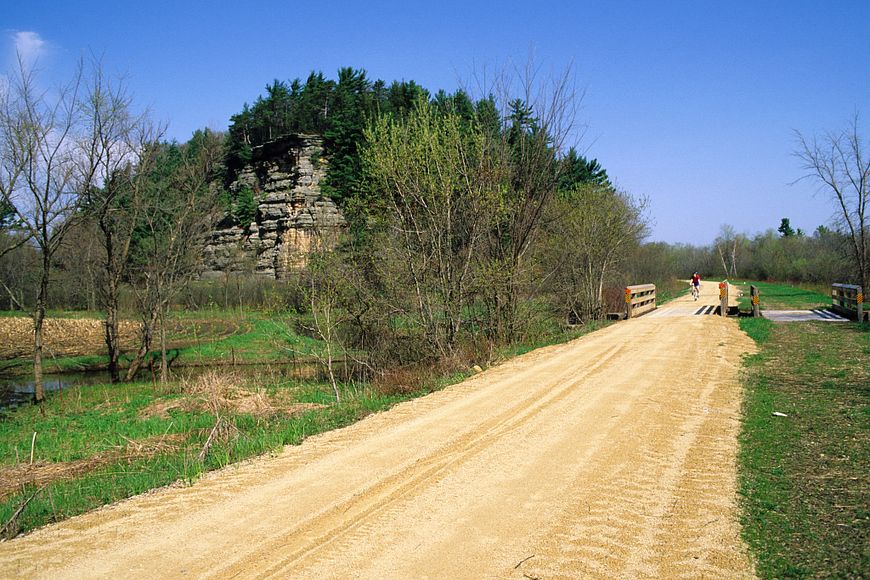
<point x="20" y="390"/>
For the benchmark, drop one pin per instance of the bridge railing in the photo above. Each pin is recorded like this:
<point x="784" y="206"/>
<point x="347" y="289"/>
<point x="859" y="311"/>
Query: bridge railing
<point x="848" y="300"/>
<point x="639" y="299"/>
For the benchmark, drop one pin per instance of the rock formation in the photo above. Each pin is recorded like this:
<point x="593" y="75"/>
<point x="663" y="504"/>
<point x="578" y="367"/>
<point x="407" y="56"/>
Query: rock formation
<point x="292" y="217"/>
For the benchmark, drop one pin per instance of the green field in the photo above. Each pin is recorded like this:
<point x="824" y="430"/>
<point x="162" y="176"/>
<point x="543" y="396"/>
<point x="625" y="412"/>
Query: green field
<point x="194" y="338"/>
<point x="775" y="296"/>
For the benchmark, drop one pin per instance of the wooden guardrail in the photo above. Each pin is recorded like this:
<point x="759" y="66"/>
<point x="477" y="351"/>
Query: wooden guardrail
<point x="848" y="300"/>
<point x="639" y="299"/>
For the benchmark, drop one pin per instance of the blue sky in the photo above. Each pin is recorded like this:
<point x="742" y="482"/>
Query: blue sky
<point x="692" y="104"/>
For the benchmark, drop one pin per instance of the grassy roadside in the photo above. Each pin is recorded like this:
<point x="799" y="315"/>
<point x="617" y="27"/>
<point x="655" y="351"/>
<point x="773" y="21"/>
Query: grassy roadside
<point x="96" y="445"/>
<point x="567" y="335"/>
<point x="805" y="477"/>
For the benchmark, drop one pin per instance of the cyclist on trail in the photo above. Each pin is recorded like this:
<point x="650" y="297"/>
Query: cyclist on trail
<point x="696" y="285"/>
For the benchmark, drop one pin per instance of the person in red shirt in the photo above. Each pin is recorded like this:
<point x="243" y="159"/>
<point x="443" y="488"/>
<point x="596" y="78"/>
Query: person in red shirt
<point x="696" y="285"/>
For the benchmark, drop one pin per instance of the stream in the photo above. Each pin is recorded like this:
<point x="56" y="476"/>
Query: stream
<point x="20" y="390"/>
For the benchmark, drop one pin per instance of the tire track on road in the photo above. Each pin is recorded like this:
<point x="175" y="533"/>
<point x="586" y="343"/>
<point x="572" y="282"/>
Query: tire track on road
<point x="352" y="515"/>
<point x="664" y="508"/>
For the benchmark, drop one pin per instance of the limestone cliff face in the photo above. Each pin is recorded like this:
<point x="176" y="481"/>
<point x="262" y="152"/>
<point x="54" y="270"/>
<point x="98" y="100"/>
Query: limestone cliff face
<point x="292" y="217"/>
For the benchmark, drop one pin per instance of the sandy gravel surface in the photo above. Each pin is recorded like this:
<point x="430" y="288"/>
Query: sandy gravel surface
<point x="611" y="456"/>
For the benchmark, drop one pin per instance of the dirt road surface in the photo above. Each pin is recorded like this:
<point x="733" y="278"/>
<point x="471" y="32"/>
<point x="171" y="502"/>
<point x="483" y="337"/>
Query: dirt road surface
<point x="610" y="456"/>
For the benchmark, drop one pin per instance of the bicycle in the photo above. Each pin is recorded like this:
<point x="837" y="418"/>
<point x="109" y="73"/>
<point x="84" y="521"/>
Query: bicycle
<point x="696" y="291"/>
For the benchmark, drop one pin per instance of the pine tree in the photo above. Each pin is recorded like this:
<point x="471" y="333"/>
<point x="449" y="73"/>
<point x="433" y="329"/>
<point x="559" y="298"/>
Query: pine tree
<point x="245" y="206"/>
<point x="353" y="107"/>
<point x="577" y="170"/>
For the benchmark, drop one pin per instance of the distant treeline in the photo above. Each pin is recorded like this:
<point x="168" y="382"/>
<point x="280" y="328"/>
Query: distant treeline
<point x="773" y="255"/>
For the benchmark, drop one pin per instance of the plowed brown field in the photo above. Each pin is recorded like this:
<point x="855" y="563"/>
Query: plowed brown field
<point x="613" y="455"/>
<point x="86" y="336"/>
<point x="62" y="336"/>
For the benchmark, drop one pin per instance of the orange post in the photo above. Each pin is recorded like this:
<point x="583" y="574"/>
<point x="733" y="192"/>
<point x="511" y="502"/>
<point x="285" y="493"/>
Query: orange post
<point x="859" y="304"/>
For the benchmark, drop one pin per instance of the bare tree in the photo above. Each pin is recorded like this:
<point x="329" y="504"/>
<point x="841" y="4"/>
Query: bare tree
<point x="38" y="130"/>
<point x="12" y="242"/>
<point x="727" y="243"/>
<point x="11" y="236"/>
<point x="116" y="154"/>
<point x="839" y="163"/>
<point x="78" y="265"/>
<point x="17" y="276"/>
<point x="180" y="209"/>
<point x="537" y="118"/>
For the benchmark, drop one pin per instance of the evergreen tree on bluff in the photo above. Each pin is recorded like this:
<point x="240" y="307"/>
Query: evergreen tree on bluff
<point x="353" y="104"/>
<point x="336" y="110"/>
<point x="340" y="110"/>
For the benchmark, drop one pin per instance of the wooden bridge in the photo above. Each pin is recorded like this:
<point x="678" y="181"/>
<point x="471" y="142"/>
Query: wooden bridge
<point x="720" y="299"/>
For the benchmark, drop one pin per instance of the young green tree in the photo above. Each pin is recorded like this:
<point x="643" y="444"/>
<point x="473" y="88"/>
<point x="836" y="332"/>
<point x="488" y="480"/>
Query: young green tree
<point x="441" y="196"/>
<point x="324" y="288"/>
<point x="590" y="233"/>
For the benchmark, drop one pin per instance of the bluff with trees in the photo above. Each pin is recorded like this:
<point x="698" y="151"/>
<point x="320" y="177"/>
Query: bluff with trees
<point x="451" y="215"/>
<point x="412" y="227"/>
<point x="405" y="227"/>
